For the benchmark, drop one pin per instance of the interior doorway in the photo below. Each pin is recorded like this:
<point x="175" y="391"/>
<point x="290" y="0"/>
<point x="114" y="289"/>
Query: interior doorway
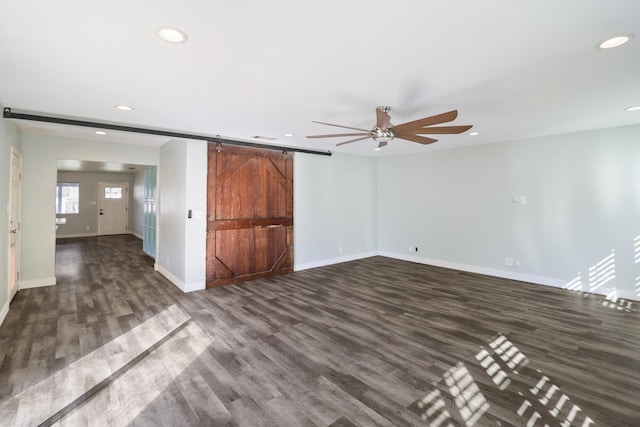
<point x="15" y="204"/>
<point x="113" y="208"/>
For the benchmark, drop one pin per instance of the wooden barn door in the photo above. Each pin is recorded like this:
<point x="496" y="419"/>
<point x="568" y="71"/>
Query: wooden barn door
<point x="250" y="214"/>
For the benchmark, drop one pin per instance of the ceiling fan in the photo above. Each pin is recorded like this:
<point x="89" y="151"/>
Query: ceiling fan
<point x="384" y="131"/>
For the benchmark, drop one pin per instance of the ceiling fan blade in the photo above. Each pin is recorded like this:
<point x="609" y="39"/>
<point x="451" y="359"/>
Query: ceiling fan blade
<point x="345" y="127"/>
<point x="428" y="121"/>
<point x="383" y="119"/>
<point x="352" y="140"/>
<point x="416" y="138"/>
<point x="333" y="135"/>
<point x="441" y="130"/>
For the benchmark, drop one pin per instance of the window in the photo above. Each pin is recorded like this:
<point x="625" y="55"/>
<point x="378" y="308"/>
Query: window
<point x="113" y="192"/>
<point x="67" y="198"/>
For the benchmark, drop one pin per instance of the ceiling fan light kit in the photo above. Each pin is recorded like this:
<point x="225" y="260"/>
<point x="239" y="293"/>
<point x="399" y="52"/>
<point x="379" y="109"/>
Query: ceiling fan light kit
<point x="384" y="131"/>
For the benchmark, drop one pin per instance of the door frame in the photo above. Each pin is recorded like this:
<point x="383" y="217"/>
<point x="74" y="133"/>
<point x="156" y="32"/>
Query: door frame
<point x="15" y="154"/>
<point x="101" y="197"/>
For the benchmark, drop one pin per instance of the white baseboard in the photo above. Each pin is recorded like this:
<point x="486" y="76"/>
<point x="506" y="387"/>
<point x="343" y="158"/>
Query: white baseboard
<point x="4" y="312"/>
<point x="184" y="287"/>
<point x="612" y="296"/>
<point x="513" y="275"/>
<point x="195" y="286"/>
<point x="612" y="293"/>
<point x="36" y="283"/>
<point x="173" y="279"/>
<point x="27" y="284"/>
<point x="71" y="236"/>
<point x="625" y="294"/>
<point x="329" y="261"/>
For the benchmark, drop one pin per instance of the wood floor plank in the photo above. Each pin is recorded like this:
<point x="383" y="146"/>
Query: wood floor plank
<point x="370" y="342"/>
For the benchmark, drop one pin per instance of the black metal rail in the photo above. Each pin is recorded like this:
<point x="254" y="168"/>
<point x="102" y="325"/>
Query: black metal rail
<point x="8" y="114"/>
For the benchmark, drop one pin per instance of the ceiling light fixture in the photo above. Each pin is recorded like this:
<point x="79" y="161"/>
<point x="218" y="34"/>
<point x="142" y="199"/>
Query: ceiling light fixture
<point x="377" y="149"/>
<point x="124" y="108"/>
<point x="634" y="108"/>
<point x="100" y="132"/>
<point x="172" y="35"/>
<point x="474" y="133"/>
<point x="616" y="41"/>
<point x="289" y="135"/>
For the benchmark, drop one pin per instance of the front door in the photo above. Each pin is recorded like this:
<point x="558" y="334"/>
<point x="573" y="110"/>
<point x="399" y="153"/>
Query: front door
<point x="250" y="214"/>
<point x="113" y="203"/>
<point x="15" y="193"/>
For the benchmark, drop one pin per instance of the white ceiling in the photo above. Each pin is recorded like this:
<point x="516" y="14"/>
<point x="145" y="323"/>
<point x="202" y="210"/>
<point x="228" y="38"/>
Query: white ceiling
<point x="513" y="69"/>
<point x="69" y="165"/>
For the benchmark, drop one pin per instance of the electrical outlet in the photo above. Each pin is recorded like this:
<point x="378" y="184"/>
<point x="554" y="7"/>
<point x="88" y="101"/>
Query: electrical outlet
<point x="508" y="262"/>
<point x="410" y="248"/>
<point x="340" y="249"/>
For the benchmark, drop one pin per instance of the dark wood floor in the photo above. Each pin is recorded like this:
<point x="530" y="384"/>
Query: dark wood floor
<point x="371" y="342"/>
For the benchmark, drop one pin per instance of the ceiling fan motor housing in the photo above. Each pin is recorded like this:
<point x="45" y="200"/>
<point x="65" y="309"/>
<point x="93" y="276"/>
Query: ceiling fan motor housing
<point x="382" y="135"/>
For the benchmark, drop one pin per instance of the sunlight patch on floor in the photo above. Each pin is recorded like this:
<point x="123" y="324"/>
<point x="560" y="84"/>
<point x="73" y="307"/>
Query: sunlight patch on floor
<point x="504" y="363"/>
<point x="62" y="390"/>
<point x="130" y="394"/>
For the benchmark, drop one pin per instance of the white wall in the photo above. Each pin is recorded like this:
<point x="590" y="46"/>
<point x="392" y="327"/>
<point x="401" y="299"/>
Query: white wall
<point x="335" y="209"/>
<point x="181" y="250"/>
<point x="9" y="137"/>
<point x="334" y="206"/>
<point x="456" y="206"/>
<point x="85" y="222"/>
<point x="583" y="204"/>
<point x="40" y="156"/>
<point x="196" y="226"/>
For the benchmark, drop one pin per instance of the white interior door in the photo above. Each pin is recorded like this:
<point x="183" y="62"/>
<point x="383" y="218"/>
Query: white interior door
<point x="113" y="207"/>
<point x="15" y="194"/>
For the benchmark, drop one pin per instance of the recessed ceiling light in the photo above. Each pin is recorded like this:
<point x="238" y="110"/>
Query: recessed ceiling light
<point x="615" y="41"/>
<point x="100" y="132"/>
<point x="634" y="108"/>
<point x="377" y="149"/>
<point x="289" y="135"/>
<point x="172" y="35"/>
<point x="124" y="108"/>
<point x="474" y="133"/>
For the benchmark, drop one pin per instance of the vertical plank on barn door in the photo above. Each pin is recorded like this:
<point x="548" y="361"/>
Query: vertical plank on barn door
<point x="250" y="214"/>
